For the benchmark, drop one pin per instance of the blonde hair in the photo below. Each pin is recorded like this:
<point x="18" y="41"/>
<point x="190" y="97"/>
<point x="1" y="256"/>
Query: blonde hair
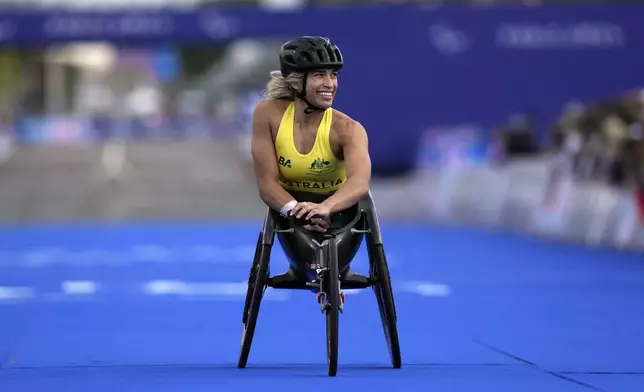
<point x="279" y="87"/>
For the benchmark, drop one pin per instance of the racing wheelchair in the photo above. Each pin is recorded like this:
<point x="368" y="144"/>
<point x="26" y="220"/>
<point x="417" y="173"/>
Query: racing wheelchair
<point x="320" y="263"/>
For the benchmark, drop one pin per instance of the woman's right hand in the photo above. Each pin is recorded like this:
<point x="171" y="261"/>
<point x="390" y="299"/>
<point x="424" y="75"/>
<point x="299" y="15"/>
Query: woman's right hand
<point x="321" y="225"/>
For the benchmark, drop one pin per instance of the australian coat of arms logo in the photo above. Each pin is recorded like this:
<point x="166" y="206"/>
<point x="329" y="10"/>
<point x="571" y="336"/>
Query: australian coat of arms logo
<point x="320" y="166"/>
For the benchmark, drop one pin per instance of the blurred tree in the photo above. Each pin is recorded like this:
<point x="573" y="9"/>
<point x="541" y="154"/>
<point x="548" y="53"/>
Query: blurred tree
<point x="197" y="59"/>
<point x="9" y="76"/>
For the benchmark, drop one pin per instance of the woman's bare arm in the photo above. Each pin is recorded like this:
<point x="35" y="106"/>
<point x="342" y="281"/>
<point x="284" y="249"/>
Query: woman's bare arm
<point x="265" y="161"/>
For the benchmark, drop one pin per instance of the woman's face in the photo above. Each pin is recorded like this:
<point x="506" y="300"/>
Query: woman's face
<point x="321" y="87"/>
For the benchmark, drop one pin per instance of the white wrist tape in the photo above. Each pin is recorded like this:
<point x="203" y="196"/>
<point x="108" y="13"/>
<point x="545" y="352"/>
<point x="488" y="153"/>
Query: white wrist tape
<point x="288" y="207"/>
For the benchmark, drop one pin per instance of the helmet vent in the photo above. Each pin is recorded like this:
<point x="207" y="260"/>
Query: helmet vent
<point x="320" y="55"/>
<point x="307" y="56"/>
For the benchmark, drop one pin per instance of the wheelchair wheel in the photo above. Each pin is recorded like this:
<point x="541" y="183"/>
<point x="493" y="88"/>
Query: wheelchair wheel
<point x="256" y="286"/>
<point x="386" y="304"/>
<point x="251" y="278"/>
<point x="332" y="289"/>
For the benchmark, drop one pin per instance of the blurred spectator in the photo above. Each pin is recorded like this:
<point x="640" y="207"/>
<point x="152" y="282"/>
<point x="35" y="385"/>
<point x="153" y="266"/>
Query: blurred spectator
<point x="518" y="137"/>
<point x="639" y="177"/>
<point x="614" y="135"/>
<point x="600" y="142"/>
<point x="497" y="151"/>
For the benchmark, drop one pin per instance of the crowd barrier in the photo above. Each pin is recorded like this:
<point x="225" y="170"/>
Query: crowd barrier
<point x="461" y="64"/>
<point x="524" y="196"/>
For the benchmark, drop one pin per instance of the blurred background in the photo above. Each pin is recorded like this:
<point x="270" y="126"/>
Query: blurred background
<point x="507" y="142"/>
<point x="517" y="114"/>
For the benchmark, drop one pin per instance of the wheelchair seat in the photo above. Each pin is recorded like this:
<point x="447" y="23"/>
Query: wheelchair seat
<point x="300" y="244"/>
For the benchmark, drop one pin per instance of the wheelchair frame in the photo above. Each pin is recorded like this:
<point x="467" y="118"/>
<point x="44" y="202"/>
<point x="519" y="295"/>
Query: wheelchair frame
<point x="327" y="266"/>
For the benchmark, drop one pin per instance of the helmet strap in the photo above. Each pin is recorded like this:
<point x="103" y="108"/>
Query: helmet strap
<point x="302" y="95"/>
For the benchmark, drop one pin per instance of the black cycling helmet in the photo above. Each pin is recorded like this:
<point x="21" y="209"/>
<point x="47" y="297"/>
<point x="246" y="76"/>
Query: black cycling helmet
<point x="309" y="53"/>
<point x="306" y="54"/>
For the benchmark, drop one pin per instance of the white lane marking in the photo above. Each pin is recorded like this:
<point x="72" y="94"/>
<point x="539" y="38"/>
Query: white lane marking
<point x="221" y="290"/>
<point x="9" y="293"/>
<point x="193" y="289"/>
<point x="427" y="289"/>
<point x="83" y="287"/>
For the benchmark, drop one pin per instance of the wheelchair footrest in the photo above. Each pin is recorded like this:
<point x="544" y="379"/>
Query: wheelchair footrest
<point x="355" y="281"/>
<point x="291" y="281"/>
<point x="292" y="285"/>
<point x="354" y="285"/>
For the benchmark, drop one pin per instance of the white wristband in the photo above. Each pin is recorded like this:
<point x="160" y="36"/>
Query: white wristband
<point x="288" y="207"/>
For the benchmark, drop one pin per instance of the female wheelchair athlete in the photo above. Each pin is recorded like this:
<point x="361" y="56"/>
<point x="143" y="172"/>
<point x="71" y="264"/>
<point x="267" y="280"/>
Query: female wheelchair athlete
<point x="320" y="263"/>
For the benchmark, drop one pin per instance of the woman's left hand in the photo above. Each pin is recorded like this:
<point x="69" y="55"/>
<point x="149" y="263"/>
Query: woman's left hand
<point x="307" y="210"/>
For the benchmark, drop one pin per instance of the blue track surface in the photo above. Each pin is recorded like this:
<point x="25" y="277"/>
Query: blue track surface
<point x="157" y="307"/>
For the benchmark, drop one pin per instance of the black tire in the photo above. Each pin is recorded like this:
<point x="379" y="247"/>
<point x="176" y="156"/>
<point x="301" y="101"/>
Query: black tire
<point x="386" y="303"/>
<point x="333" y="311"/>
<point x="251" y="278"/>
<point x="258" y="288"/>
